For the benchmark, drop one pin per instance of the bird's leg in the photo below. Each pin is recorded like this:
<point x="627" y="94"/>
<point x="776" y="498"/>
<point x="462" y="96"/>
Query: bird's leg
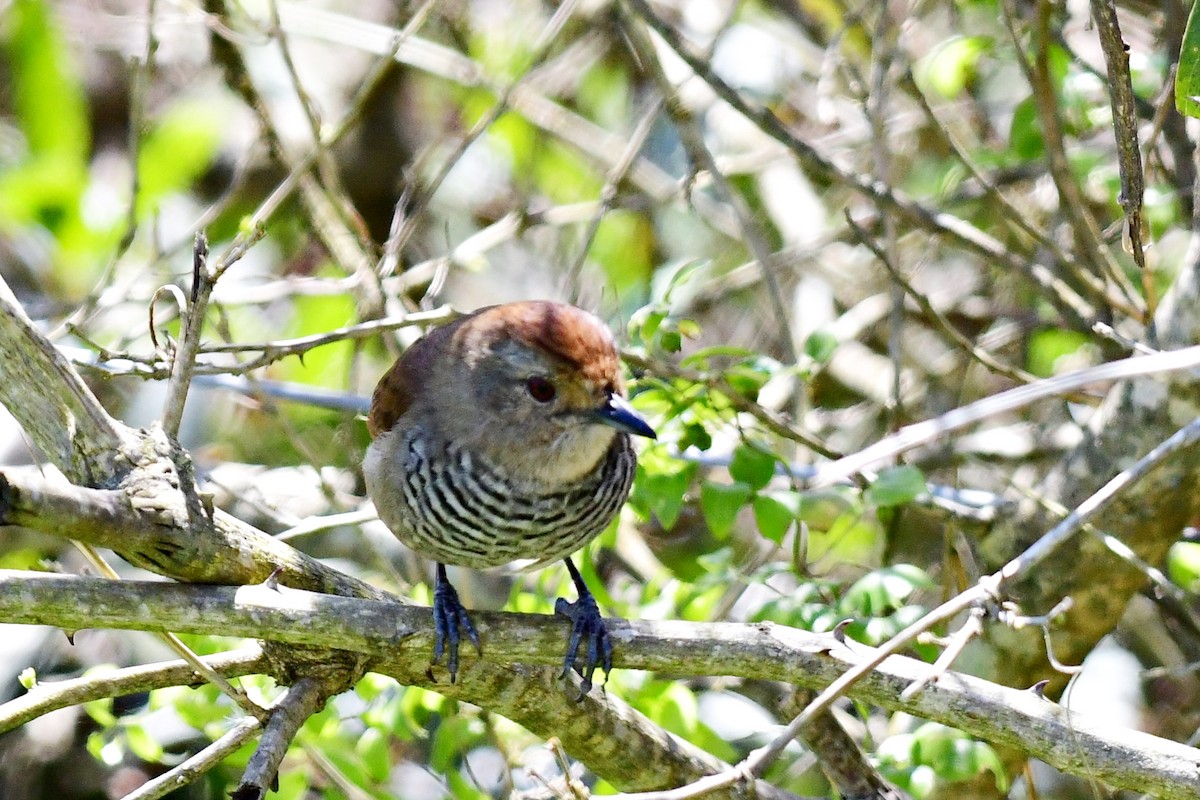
<point x="586" y="623"/>
<point x="449" y="617"/>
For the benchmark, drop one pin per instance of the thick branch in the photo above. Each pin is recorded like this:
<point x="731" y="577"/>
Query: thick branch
<point x="397" y="638"/>
<point x="67" y="424"/>
<point x="148" y="522"/>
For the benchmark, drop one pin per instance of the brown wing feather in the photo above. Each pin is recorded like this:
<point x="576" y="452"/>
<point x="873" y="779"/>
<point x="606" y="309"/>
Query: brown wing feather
<point x="394" y="393"/>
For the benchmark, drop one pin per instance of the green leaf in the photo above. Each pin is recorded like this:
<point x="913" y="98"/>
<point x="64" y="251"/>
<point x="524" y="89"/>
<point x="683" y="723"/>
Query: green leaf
<point x="1046" y="347"/>
<point x="819" y="346"/>
<point x="293" y="785"/>
<point x="953" y="755"/>
<point x="1187" y="76"/>
<point x="372" y="748"/>
<point x="661" y="486"/>
<point x="950" y="66"/>
<point x="177" y="151"/>
<point x="695" y="435"/>
<point x="143" y="745"/>
<point x="101" y="711"/>
<point x="650" y="323"/>
<point x="624" y="247"/>
<point x="884" y="590"/>
<point x="720" y="503"/>
<point x="896" y="486"/>
<point x="752" y="466"/>
<point x="1025" y="137"/>
<point x="463" y="788"/>
<point x="679" y="712"/>
<point x="775" y="512"/>
<point x="454" y="737"/>
<point x="700" y="358"/>
<point x="1183" y="565"/>
<point x="47" y="95"/>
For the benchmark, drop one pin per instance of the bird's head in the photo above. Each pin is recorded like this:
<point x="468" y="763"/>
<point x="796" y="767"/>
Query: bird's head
<point x="534" y="386"/>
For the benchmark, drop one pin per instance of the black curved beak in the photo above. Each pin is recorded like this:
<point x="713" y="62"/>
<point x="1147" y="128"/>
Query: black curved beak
<point x="617" y="413"/>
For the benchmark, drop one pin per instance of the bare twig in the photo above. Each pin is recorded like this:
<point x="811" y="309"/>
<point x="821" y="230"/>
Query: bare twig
<point x="191" y="769"/>
<point x="988" y="589"/>
<point x="49" y="696"/>
<point x="183" y="360"/>
<point x="1068" y="302"/>
<point x="693" y="140"/>
<point x="540" y="48"/>
<point x="1125" y="122"/>
<point x="921" y="433"/>
<point x="608" y="194"/>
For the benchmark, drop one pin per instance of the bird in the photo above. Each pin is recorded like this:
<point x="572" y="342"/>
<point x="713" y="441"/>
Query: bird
<point x="505" y="436"/>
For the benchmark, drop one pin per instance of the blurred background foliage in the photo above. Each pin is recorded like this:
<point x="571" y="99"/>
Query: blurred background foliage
<point x="518" y="149"/>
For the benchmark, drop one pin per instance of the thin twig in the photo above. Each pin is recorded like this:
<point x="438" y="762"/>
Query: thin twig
<point x="184" y="358"/>
<point x="191" y="769"/>
<point x="1125" y="127"/>
<point x="304" y="698"/>
<point x="693" y="140"/>
<point x="988" y="588"/>
<point x="422" y="197"/>
<point x="608" y="195"/>
<point x="938" y="318"/>
<point x="921" y="433"/>
<point x="48" y="696"/>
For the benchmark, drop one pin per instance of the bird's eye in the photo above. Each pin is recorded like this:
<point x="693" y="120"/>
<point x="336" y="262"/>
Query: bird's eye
<point x="540" y="389"/>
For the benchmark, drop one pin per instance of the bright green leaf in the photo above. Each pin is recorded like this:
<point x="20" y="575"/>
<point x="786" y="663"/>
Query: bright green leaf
<point x="1046" y="347"/>
<point x="464" y="788"/>
<point x="455" y="736"/>
<point x="950" y="66"/>
<point x="661" y="486"/>
<point x="101" y="711"/>
<point x="819" y="346"/>
<point x="1183" y="565"/>
<point x="679" y="712"/>
<point x="650" y="324"/>
<point x="176" y="151"/>
<point x="883" y="590"/>
<point x="1025" y="137"/>
<point x="624" y="247"/>
<point x="896" y="486"/>
<point x="372" y="748"/>
<point x="293" y="785"/>
<point x="143" y="745"/>
<point x="752" y="466"/>
<point x="775" y="512"/>
<point x="1187" y="76"/>
<point x="47" y="95"/>
<point x="720" y="503"/>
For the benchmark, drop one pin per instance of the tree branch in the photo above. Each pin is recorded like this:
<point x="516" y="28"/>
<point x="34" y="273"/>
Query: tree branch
<point x="521" y="652"/>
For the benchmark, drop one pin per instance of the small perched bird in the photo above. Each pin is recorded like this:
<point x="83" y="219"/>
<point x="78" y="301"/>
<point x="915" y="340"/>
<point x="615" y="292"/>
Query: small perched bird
<point x="504" y="436"/>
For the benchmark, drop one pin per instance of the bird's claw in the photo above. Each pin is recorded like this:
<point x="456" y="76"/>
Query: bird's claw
<point x="586" y="623"/>
<point x="449" y="619"/>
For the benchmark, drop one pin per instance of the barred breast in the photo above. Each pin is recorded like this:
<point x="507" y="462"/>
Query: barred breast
<point x="459" y="509"/>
